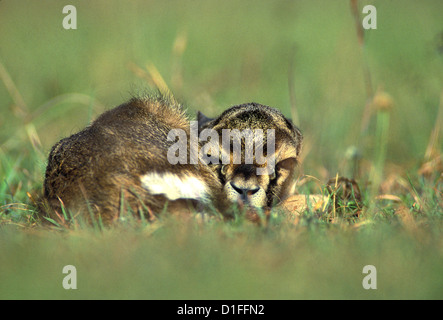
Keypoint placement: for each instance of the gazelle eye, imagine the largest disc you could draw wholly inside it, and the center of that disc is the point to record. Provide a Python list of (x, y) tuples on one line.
[(223, 169)]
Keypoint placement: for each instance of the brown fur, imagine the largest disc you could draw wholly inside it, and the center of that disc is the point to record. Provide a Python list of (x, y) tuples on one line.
[(99, 168), (97, 172)]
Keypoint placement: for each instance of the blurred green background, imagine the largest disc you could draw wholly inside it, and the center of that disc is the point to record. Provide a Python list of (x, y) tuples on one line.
[(212, 55)]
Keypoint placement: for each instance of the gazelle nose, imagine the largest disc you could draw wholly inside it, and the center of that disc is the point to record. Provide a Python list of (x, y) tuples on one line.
[(245, 192)]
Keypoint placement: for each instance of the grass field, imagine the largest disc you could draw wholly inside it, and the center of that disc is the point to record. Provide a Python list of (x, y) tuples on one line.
[(370, 106)]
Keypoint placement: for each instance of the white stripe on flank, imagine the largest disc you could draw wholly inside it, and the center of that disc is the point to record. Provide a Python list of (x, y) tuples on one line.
[(173, 187)]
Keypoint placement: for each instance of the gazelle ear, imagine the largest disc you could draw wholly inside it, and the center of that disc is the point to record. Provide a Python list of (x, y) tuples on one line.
[(202, 120), (288, 163)]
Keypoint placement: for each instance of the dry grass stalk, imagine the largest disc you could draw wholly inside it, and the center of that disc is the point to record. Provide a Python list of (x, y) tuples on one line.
[(300, 203), (22, 110), (178, 50), (291, 87), (367, 74)]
